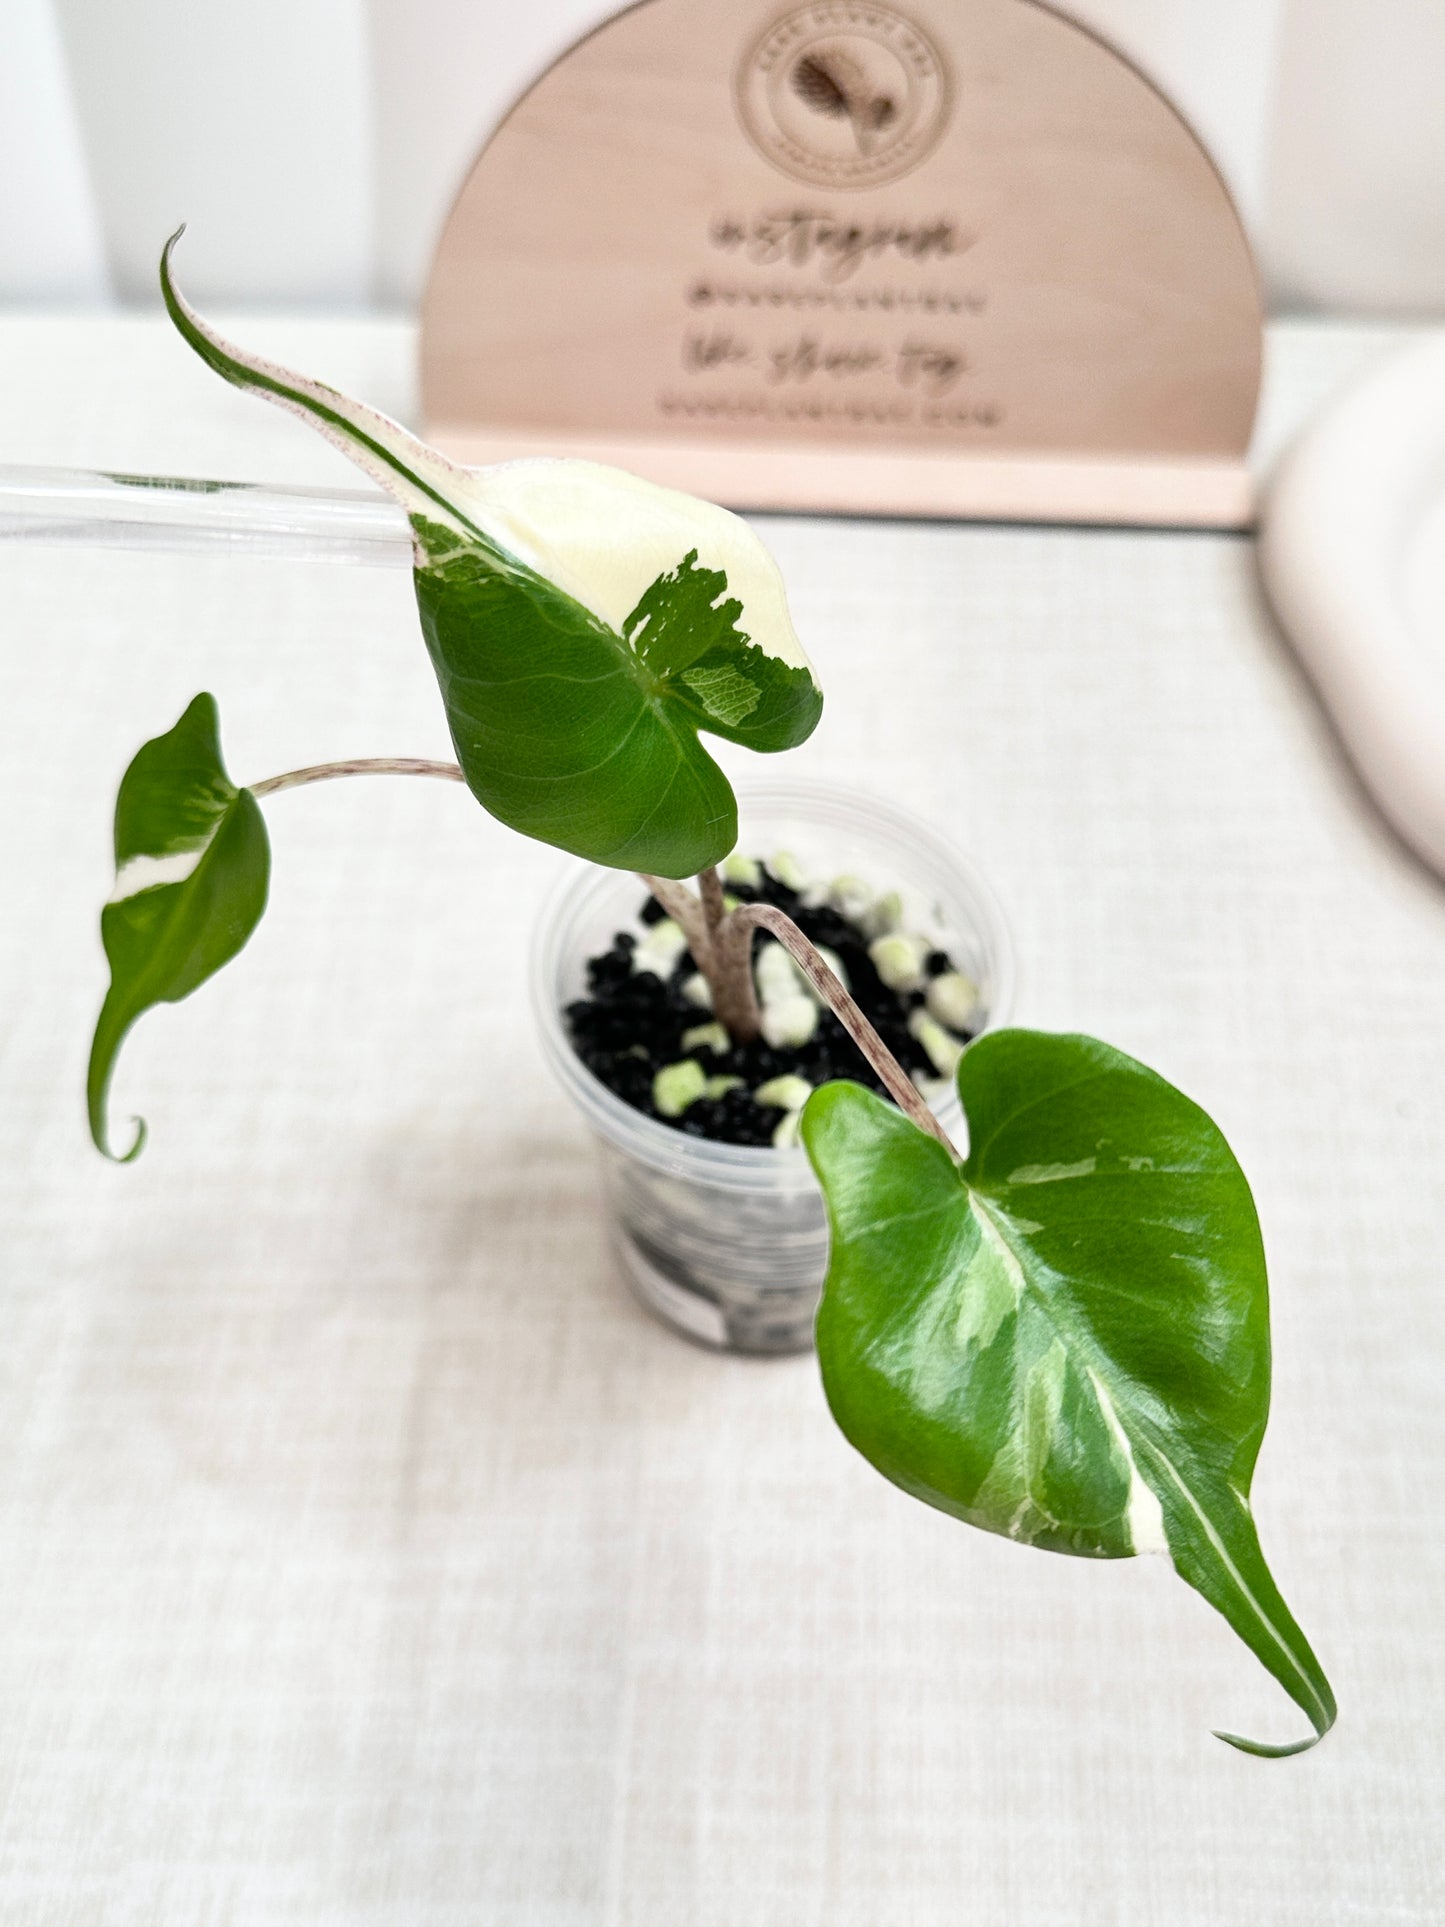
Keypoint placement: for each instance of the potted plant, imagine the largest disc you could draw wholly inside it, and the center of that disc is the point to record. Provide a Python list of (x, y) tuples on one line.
[(1045, 1310), (716, 1217)]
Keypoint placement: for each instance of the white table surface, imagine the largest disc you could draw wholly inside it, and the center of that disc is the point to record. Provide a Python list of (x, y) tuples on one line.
[(367, 1557)]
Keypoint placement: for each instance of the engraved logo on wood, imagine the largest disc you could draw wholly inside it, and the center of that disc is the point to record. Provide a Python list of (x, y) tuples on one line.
[(843, 94)]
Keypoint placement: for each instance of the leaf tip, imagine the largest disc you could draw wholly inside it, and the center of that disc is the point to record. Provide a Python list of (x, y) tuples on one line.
[(138, 1143), (1259, 1750), (166, 253), (203, 705), (102, 1062)]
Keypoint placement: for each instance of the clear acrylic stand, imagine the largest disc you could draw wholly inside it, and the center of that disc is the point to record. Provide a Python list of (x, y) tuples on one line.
[(174, 514)]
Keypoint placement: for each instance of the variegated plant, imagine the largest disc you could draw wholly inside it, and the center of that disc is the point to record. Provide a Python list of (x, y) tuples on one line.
[(1062, 1336), (584, 627)]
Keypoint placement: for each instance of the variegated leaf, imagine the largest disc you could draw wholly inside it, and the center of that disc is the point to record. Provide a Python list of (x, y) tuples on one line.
[(584, 626), (1066, 1339), (192, 865)]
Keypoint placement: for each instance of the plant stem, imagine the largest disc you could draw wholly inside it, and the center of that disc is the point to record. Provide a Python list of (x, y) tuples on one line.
[(686, 912), (714, 910), (359, 766), (721, 942), (704, 920), (734, 995), (737, 937)]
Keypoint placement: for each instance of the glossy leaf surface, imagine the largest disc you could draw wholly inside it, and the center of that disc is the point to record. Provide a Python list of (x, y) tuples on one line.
[(584, 626), (192, 866), (1066, 1339)]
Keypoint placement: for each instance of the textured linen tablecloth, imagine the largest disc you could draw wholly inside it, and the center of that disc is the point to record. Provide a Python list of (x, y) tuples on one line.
[(367, 1556)]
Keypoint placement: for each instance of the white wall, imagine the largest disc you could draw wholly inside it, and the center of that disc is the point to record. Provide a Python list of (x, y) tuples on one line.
[(250, 119), (51, 245), (1356, 209), (315, 144)]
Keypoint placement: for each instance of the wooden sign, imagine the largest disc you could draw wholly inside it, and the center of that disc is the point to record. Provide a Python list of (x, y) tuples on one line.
[(948, 257)]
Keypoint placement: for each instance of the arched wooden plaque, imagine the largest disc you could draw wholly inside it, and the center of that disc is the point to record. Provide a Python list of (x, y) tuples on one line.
[(944, 257)]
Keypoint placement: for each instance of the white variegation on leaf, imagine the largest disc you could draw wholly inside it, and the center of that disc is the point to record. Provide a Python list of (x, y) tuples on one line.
[(604, 537), (601, 535), (140, 873), (584, 625)]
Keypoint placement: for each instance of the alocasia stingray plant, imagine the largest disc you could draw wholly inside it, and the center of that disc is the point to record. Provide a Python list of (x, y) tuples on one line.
[(1062, 1336)]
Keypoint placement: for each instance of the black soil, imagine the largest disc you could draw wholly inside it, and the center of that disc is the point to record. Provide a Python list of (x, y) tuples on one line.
[(632, 1024)]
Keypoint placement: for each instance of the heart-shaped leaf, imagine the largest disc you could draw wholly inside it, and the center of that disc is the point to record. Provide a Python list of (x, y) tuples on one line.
[(1066, 1339), (584, 626), (192, 865)]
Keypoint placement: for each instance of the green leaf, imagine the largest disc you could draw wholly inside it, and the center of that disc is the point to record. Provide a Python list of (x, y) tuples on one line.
[(192, 865), (685, 632), (584, 626), (1066, 1339)]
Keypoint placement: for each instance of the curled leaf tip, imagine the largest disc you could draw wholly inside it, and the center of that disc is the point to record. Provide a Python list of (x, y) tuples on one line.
[(1260, 1750), (101, 1141)]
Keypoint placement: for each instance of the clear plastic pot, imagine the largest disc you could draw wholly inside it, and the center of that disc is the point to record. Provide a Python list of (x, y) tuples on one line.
[(728, 1243)]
